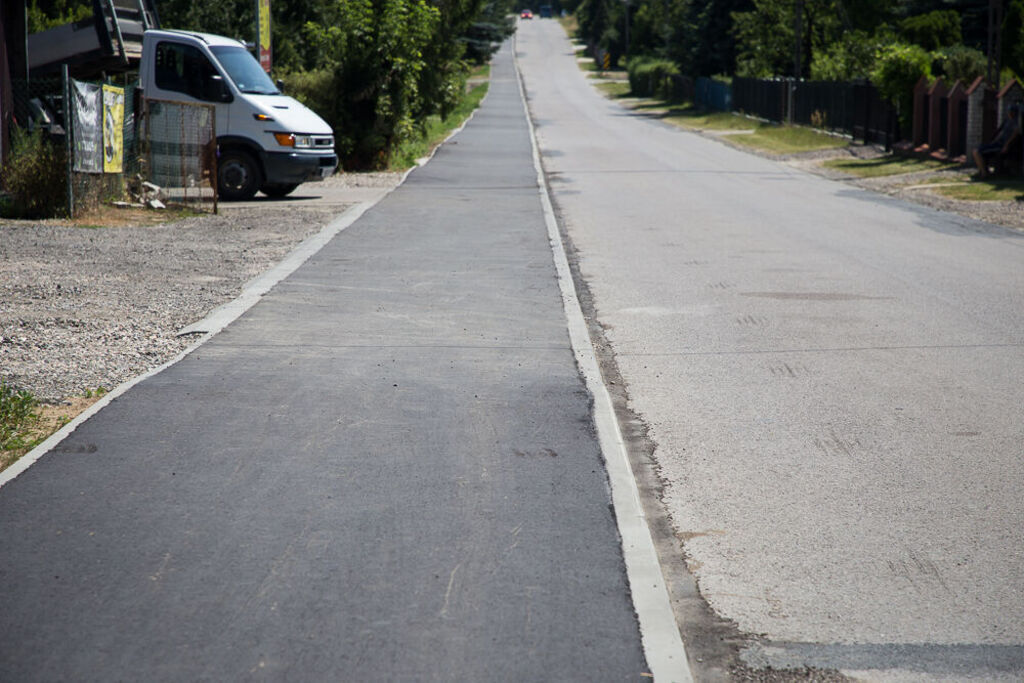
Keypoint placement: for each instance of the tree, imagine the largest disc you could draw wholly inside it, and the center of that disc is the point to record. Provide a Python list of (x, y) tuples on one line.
[(960, 63), (442, 83), (373, 55), (933, 30), (765, 36), (850, 58), (1013, 38), (897, 70), (713, 50), (44, 15)]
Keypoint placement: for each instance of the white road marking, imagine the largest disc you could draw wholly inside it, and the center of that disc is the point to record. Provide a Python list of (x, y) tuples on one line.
[(663, 646)]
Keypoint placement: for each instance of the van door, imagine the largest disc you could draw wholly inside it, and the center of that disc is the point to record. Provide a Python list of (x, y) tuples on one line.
[(182, 73)]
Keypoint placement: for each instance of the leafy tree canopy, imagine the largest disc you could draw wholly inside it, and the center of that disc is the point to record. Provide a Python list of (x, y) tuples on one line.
[(933, 30)]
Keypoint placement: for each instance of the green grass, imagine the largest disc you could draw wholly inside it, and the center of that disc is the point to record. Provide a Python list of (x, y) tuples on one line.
[(437, 129), (990, 190), (768, 137), (765, 136), (615, 89), (18, 420), (788, 139), (690, 117), (884, 166)]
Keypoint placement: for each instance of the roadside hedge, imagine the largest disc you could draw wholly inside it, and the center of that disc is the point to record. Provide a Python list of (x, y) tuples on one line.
[(651, 77)]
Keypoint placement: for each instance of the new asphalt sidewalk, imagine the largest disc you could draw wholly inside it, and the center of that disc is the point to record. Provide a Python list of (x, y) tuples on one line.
[(385, 470)]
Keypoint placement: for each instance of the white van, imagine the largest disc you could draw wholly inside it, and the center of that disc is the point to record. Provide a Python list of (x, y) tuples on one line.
[(266, 141)]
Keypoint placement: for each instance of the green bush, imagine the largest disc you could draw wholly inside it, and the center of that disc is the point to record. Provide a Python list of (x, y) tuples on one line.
[(1013, 38), (960, 63), (897, 70), (17, 416), (35, 176), (651, 77), (849, 58)]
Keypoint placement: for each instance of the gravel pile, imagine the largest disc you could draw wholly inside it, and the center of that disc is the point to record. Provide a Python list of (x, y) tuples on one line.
[(82, 308)]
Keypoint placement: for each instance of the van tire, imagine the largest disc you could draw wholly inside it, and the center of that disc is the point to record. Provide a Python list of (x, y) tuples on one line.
[(277, 191), (238, 176)]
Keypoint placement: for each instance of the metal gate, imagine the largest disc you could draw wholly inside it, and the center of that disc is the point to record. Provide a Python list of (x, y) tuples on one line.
[(179, 153)]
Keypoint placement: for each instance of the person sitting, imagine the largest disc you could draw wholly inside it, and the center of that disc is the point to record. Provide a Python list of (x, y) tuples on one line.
[(1001, 145)]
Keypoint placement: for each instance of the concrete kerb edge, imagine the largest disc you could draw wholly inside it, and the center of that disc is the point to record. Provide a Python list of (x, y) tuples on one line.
[(662, 643), (223, 315)]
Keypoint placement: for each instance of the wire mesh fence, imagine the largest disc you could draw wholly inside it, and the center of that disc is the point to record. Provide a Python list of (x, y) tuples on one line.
[(178, 152), (112, 146)]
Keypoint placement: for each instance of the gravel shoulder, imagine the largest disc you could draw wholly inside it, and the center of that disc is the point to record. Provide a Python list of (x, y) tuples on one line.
[(89, 307)]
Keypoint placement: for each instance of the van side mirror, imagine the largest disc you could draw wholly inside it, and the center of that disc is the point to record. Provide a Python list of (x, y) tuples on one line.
[(217, 89), (280, 85)]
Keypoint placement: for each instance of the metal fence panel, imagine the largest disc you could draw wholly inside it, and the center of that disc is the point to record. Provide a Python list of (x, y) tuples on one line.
[(713, 95), (855, 108), (824, 104), (179, 151), (764, 98)]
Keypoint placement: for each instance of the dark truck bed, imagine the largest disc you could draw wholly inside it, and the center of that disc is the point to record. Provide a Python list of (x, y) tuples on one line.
[(110, 41)]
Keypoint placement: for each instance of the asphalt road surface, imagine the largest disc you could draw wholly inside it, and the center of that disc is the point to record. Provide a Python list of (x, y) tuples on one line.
[(385, 470), (832, 382)]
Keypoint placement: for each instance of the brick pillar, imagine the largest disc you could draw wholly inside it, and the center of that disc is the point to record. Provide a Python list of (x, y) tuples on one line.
[(975, 113), (955, 139), (919, 132), (935, 95)]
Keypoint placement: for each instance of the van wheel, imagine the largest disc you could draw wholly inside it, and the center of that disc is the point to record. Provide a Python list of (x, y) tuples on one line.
[(238, 176), (276, 191)]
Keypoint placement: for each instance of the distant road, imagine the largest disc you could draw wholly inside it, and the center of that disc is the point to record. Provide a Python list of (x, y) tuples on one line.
[(833, 382)]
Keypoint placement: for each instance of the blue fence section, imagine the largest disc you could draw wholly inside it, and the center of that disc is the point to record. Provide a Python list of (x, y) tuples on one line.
[(713, 95)]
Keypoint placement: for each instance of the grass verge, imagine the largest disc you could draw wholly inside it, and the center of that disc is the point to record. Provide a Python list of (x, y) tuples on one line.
[(884, 166), (789, 139), (615, 90), (25, 422), (690, 117), (990, 190), (19, 416), (437, 129), (569, 24), (768, 137)]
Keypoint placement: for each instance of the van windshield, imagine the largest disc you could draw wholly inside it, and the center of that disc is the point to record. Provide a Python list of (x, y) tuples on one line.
[(244, 70)]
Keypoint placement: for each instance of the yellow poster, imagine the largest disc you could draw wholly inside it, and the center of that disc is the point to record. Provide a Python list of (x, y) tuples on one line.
[(113, 129), (264, 20)]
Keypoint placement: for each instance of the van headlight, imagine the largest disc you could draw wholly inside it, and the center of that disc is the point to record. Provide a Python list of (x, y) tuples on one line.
[(292, 140)]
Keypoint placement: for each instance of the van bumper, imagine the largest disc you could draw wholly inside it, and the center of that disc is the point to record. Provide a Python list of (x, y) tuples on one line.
[(289, 168)]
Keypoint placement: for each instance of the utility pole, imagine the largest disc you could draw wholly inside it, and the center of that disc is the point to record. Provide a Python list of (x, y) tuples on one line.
[(798, 40), (995, 42), (798, 33), (626, 3)]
